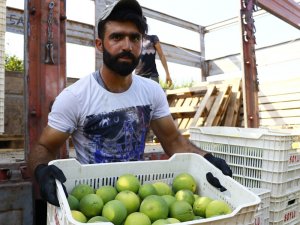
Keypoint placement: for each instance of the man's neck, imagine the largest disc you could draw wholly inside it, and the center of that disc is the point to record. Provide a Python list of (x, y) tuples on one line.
[(114, 82)]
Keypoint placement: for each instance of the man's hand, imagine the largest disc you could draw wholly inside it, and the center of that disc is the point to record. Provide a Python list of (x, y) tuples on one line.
[(169, 81), (45, 176), (219, 163)]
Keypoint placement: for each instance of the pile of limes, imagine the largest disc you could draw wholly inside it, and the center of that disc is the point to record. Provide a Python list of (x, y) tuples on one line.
[(129, 202)]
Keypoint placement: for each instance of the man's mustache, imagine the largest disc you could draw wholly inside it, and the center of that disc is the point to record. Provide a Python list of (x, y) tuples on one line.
[(126, 54)]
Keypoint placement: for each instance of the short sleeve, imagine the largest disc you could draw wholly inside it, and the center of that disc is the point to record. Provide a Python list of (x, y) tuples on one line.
[(155, 39), (64, 113), (161, 106)]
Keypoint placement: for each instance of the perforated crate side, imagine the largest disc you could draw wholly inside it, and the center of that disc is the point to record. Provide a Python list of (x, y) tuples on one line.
[(274, 169), (285, 210), (244, 149), (262, 214), (248, 137), (156, 170)]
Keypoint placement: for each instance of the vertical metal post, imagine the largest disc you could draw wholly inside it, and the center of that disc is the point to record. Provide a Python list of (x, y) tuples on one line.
[(45, 64), (99, 7), (249, 70), (45, 74), (2, 62), (203, 63)]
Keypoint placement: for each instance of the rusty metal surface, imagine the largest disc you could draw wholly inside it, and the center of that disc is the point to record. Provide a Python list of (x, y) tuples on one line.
[(288, 11), (249, 70), (44, 79)]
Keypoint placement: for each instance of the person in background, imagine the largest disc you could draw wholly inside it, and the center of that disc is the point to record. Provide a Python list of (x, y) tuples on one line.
[(109, 112), (147, 65)]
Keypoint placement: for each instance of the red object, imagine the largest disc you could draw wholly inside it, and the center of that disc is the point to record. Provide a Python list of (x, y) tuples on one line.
[(250, 81), (45, 20), (45, 23)]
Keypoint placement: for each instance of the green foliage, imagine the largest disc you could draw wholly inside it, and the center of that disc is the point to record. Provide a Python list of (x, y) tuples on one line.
[(13, 63), (174, 86)]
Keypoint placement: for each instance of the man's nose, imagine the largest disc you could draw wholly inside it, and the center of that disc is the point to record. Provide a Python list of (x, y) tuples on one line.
[(127, 45)]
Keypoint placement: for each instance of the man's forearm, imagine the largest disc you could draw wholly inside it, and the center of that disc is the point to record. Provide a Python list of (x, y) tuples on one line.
[(195, 149), (39, 155), (181, 145)]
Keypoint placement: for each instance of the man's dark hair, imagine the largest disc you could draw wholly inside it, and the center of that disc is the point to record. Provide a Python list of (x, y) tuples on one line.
[(122, 16)]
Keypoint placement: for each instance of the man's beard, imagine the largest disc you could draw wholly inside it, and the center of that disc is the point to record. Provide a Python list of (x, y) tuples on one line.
[(122, 68)]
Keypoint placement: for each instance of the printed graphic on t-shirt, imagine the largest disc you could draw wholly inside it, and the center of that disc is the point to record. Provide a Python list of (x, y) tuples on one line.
[(117, 136)]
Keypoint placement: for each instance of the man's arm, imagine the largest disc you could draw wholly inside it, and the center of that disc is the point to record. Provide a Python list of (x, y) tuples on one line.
[(163, 62), (47, 148), (173, 142), (171, 139)]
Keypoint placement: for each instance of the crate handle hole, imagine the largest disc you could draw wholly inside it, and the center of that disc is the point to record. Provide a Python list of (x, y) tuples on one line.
[(291, 202)]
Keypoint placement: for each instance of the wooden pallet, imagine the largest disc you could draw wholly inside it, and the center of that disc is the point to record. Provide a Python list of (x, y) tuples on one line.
[(207, 104), (11, 142)]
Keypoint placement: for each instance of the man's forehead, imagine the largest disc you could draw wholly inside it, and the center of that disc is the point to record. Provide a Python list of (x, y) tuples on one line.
[(121, 27)]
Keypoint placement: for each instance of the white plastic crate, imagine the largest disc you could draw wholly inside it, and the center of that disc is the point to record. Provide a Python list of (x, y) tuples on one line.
[(98, 175), (262, 215), (285, 210), (258, 157)]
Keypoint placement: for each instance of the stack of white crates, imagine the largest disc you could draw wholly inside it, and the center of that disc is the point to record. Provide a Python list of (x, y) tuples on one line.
[(260, 158), (262, 215)]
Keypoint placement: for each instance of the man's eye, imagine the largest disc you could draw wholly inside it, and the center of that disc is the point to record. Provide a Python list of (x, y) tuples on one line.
[(117, 37), (136, 38)]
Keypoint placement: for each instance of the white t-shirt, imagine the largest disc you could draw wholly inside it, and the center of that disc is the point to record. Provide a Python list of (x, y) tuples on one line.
[(106, 126)]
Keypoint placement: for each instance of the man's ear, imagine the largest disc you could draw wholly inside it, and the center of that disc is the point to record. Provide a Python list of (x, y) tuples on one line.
[(99, 44)]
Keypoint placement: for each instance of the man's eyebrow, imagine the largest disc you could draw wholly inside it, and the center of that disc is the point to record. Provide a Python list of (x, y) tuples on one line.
[(125, 33)]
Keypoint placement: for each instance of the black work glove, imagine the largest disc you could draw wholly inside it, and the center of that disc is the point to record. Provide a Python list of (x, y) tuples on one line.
[(45, 176), (219, 163), (215, 182)]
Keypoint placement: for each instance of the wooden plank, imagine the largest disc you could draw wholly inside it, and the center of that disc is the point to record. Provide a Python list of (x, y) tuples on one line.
[(178, 121), (195, 101), (11, 141), (183, 109), (280, 121), (210, 104), (208, 108), (280, 113), (182, 91), (279, 106), (179, 102), (200, 122), (280, 83), (187, 101), (210, 91), (279, 98), (172, 101), (188, 125), (278, 91), (6, 150), (214, 114), (6, 137), (236, 117), (223, 108), (233, 105), (184, 123)]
